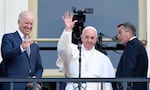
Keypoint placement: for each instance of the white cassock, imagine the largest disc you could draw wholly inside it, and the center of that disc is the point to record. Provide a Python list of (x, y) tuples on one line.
[(94, 64)]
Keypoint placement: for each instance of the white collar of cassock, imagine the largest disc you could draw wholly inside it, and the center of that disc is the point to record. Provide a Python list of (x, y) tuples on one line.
[(86, 52)]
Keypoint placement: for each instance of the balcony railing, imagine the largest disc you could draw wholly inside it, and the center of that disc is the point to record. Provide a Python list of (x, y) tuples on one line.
[(77, 80)]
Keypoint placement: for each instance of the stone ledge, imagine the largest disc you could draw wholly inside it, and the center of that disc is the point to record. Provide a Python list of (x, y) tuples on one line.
[(52, 73)]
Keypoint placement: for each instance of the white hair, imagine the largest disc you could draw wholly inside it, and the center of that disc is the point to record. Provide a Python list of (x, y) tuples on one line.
[(89, 27)]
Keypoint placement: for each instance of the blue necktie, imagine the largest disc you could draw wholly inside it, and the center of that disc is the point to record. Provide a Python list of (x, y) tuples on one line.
[(28, 51), (28, 48)]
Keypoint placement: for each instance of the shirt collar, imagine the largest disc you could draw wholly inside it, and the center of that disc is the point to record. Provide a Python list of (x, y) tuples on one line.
[(21, 34), (132, 38)]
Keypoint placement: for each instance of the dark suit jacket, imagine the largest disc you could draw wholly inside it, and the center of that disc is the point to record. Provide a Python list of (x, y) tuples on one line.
[(17, 63), (133, 63)]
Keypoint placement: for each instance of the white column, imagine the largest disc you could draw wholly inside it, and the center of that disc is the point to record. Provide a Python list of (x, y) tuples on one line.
[(2, 15), (9, 11), (12, 10), (2, 21), (142, 20)]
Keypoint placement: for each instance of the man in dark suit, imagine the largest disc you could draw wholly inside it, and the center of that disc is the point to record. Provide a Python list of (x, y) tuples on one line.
[(134, 60), (20, 55)]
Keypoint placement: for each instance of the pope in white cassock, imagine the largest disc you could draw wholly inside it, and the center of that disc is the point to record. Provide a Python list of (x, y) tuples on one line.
[(94, 64)]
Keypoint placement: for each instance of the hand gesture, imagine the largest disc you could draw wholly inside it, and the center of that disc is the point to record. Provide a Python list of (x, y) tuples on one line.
[(69, 23), (27, 42)]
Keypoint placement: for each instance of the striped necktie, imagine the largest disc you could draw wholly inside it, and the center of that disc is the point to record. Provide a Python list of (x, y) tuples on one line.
[(28, 51), (28, 48)]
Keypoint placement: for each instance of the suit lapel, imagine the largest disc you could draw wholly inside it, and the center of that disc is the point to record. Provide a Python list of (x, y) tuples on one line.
[(17, 37)]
